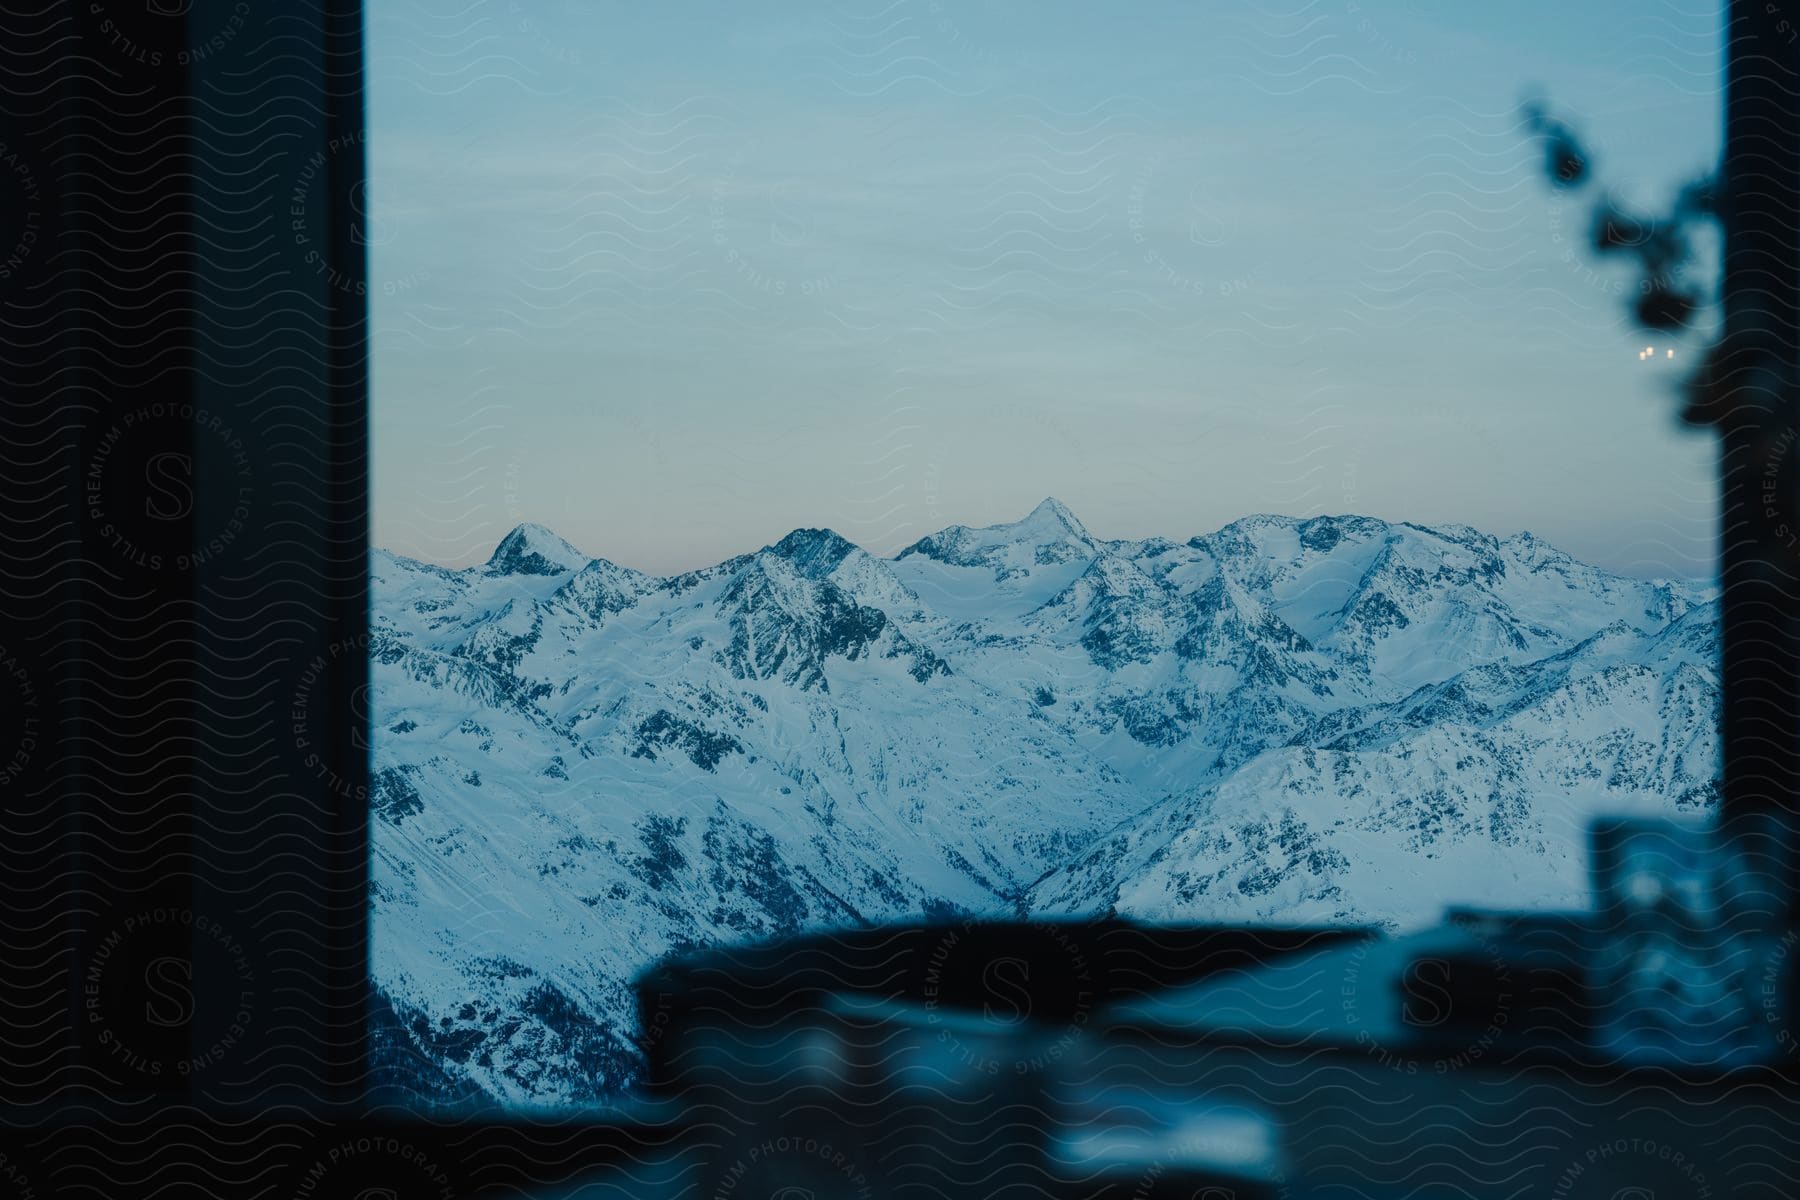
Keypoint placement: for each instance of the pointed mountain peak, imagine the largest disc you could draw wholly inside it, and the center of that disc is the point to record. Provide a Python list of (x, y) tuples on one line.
[(534, 550), (1047, 535), (1530, 545), (815, 553), (1053, 514)]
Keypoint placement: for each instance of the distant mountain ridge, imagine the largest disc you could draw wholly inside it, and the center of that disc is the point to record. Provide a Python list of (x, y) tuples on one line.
[(580, 767)]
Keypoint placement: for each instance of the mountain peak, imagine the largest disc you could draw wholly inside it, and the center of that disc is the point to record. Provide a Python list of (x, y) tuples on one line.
[(1052, 513), (532, 549), (1048, 534), (1531, 545), (815, 553)]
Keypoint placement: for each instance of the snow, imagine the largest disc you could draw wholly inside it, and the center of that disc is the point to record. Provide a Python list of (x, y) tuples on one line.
[(533, 550), (580, 768)]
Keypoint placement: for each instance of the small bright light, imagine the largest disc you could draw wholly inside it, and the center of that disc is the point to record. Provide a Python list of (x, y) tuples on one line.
[(1671, 354)]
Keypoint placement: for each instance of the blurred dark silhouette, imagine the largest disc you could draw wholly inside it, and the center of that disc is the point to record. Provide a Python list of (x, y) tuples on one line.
[(1668, 297), (1744, 388)]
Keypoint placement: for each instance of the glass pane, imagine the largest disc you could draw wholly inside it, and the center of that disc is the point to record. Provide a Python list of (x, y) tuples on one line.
[(854, 464)]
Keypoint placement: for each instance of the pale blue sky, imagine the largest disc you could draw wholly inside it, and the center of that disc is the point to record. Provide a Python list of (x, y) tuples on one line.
[(675, 278)]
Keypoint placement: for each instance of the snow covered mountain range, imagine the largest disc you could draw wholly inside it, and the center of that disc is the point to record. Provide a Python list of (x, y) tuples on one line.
[(579, 767)]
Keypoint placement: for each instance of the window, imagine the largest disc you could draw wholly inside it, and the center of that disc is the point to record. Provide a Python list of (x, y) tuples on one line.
[(846, 466)]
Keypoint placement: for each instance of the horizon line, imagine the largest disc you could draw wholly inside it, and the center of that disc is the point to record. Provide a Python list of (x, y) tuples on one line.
[(1056, 506)]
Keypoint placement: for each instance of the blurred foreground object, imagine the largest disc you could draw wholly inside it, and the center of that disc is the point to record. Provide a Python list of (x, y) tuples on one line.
[(1691, 956), (1123, 1143), (1746, 387)]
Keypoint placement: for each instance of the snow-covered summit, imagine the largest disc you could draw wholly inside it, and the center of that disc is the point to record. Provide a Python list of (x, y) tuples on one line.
[(815, 553), (1047, 535), (534, 550)]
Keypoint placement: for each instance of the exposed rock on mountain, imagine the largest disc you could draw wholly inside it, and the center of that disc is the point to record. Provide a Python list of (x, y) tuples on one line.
[(580, 767)]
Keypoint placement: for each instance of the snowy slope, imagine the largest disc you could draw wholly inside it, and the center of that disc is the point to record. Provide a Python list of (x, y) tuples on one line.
[(580, 768)]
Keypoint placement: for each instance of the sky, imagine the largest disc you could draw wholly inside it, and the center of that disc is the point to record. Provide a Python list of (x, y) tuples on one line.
[(673, 279)]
